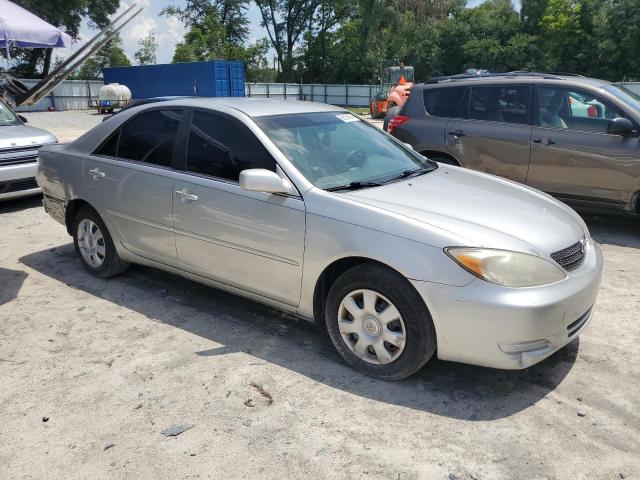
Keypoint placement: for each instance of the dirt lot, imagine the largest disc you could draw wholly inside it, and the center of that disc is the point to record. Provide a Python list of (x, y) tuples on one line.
[(92, 371)]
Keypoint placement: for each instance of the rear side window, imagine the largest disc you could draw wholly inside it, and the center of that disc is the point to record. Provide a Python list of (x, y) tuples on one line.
[(150, 137), (109, 148), (502, 103), (445, 102), (222, 148)]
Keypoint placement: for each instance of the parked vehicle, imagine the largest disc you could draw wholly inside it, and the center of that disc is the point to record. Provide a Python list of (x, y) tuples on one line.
[(19, 144), (573, 137), (307, 208), (395, 84)]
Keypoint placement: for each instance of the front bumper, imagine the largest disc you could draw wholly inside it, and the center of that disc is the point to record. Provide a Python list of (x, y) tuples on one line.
[(512, 328), (18, 180)]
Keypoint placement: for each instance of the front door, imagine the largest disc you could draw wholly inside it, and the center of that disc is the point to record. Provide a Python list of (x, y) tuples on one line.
[(572, 155), (249, 240), (130, 179), (495, 135)]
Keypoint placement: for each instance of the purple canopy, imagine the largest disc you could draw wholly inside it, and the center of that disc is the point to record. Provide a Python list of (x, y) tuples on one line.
[(22, 28)]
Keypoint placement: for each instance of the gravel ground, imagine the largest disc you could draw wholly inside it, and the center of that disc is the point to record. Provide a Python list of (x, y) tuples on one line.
[(93, 371)]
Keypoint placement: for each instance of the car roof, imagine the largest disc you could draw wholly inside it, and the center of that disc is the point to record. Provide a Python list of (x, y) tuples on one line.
[(253, 107), (515, 77)]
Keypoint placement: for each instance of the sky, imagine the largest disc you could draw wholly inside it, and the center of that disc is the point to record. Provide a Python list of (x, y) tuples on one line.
[(168, 30)]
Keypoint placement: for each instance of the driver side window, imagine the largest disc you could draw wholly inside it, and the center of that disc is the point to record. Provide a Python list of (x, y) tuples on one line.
[(220, 147), (575, 109)]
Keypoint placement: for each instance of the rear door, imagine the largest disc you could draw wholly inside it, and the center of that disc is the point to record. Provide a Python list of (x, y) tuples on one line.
[(573, 157), (249, 240), (495, 135), (129, 178)]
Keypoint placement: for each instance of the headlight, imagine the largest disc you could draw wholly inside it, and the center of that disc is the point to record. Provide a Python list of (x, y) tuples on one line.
[(509, 269)]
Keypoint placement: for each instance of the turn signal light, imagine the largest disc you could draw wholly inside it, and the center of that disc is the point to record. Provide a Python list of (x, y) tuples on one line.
[(395, 121)]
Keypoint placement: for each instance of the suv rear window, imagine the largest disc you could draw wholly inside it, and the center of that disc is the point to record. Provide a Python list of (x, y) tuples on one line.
[(445, 102), (501, 103)]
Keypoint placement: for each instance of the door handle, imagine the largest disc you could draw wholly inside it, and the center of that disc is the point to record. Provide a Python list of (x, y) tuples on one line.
[(545, 141), (95, 173), (186, 196), (457, 133)]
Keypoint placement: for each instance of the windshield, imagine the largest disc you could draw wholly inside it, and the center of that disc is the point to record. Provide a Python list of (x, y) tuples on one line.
[(628, 93), (393, 75), (7, 117), (334, 149)]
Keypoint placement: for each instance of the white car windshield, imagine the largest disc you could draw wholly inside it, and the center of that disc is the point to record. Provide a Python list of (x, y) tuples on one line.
[(7, 117), (336, 150)]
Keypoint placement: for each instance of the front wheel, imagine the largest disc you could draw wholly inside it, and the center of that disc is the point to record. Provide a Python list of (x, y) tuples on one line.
[(94, 245), (373, 109), (379, 323)]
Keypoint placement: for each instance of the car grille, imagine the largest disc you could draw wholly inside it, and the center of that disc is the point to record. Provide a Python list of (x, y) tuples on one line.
[(18, 185), (576, 326), (18, 155), (571, 257)]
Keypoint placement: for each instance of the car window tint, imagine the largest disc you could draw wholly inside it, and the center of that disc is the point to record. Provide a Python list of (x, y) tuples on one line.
[(150, 136), (504, 103), (222, 148), (575, 109), (108, 147), (445, 102)]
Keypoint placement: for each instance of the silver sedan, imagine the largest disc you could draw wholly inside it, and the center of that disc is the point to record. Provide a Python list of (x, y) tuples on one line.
[(307, 208)]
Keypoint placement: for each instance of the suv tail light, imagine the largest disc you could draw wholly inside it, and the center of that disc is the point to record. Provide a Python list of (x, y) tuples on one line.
[(395, 121)]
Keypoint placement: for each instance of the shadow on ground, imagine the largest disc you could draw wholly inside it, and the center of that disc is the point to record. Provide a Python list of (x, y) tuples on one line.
[(17, 204), (443, 388), (620, 230), (10, 284)]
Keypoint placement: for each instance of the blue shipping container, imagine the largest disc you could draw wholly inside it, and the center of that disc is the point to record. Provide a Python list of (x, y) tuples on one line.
[(215, 78)]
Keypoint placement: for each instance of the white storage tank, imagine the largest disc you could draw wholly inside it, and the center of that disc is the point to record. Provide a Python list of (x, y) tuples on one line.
[(115, 93)]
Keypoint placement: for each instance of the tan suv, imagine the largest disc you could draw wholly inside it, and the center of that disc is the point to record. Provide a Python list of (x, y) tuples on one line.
[(573, 137)]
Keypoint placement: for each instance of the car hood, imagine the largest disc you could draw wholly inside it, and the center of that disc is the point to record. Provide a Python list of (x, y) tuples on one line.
[(480, 210), (23, 136)]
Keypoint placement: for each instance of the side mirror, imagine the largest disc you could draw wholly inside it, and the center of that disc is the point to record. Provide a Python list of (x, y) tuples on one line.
[(620, 126), (23, 118), (262, 180)]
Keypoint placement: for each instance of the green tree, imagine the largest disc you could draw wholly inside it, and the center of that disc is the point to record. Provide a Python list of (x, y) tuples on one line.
[(229, 14), (146, 54), (111, 55)]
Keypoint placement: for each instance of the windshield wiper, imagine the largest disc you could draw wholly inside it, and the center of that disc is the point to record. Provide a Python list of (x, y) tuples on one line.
[(409, 173), (354, 186)]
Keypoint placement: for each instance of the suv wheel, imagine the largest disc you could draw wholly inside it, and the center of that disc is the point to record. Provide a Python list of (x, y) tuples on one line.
[(378, 323)]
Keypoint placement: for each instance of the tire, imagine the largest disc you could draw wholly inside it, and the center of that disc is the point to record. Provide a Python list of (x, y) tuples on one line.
[(445, 160), (108, 263), (392, 112), (414, 322), (375, 114)]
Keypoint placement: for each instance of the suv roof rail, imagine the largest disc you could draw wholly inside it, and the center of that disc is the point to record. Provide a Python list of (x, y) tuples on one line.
[(514, 74)]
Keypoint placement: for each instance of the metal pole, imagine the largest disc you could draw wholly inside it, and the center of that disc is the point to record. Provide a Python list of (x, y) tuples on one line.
[(267, 90), (325, 93), (285, 91), (312, 92), (300, 92), (346, 93), (89, 94), (249, 85)]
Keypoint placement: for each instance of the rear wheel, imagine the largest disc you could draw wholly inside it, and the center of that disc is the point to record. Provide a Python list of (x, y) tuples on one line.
[(94, 245), (378, 322)]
